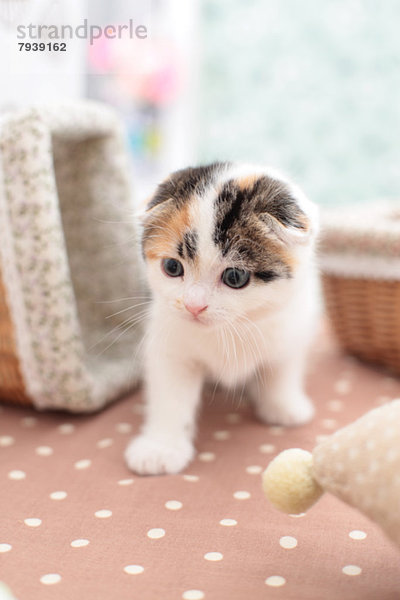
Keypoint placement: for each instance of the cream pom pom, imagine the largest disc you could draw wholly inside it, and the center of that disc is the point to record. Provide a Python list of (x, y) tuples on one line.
[(288, 481)]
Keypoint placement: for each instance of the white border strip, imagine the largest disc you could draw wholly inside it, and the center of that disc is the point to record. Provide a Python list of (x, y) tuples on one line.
[(364, 266)]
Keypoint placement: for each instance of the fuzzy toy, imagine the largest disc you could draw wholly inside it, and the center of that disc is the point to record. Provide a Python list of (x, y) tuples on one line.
[(5, 593), (360, 464), (289, 483)]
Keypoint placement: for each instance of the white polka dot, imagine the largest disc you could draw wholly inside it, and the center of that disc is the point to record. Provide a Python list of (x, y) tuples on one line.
[(233, 418), (373, 466), (335, 405), (133, 569), (267, 448), (50, 578), (241, 495), (66, 428), (123, 427), (353, 453), (276, 430), (360, 478), (156, 533), (228, 522), (288, 542), (5, 548), (6, 440), (357, 534), (29, 421), (17, 475), (125, 481), (342, 386), (329, 423), (44, 451), (82, 464), (221, 436), (213, 556), (351, 570), (390, 432), (298, 516), (321, 438), (33, 522), (254, 469), (59, 495), (106, 443), (207, 456), (370, 445), (103, 514), (191, 478), (193, 595), (369, 422), (275, 581), (173, 505), (79, 543), (392, 455)]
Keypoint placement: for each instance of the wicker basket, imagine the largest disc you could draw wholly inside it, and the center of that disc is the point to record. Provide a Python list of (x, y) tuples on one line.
[(11, 382), (360, 263), (365, 314)]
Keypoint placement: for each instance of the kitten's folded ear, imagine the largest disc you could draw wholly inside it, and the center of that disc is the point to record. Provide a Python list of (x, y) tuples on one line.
[(155, 201), (286, 211)]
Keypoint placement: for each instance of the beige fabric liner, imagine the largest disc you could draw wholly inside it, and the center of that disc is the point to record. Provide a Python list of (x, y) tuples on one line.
[(174, 564)]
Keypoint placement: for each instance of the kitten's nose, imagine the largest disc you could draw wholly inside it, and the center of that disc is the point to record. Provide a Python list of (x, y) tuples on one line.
[(195, 299), (195, 309)]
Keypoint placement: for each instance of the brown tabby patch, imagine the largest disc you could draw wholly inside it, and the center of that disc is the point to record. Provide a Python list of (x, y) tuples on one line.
[(167, 227), (246, 210), (243, 208)]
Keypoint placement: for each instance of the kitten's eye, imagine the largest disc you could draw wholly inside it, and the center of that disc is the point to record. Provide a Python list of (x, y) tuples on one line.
[(172, 267), (235, 278)]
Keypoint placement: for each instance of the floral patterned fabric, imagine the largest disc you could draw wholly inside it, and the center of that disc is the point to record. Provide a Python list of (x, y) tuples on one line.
[(68, 253)]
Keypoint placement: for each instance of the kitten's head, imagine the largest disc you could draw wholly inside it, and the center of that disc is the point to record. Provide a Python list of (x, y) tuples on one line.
[(226, 242)]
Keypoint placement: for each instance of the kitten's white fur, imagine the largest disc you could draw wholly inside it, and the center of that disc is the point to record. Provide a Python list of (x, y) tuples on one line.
[(264, 346)]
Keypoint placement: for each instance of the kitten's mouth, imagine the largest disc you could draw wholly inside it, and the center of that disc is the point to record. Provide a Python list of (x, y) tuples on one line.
[(199, 320)]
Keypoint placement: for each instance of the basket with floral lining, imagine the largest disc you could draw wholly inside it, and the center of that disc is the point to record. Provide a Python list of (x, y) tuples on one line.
[(67, 258)]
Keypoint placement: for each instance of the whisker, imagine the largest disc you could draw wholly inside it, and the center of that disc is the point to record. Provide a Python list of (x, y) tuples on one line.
[(125, 309), (122, 299), (115, 328), (132, 324)]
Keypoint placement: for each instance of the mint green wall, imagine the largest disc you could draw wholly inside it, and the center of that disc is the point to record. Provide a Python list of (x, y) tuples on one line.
[(311, 86)]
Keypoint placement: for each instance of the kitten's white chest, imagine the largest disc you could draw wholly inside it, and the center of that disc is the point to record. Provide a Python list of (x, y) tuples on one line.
[(231, 356)]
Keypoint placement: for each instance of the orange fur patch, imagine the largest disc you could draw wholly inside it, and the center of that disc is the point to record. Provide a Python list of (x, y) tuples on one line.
[(165, 229), (247, 182)]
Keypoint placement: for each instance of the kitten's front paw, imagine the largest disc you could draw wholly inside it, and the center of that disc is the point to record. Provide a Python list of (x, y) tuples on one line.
[(297, 410), (149, 455)]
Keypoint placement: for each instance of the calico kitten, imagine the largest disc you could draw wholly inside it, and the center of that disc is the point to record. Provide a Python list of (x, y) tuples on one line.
[(229, 251)]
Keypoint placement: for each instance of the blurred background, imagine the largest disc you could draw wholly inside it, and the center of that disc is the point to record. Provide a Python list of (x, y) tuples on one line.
[(310, 87)]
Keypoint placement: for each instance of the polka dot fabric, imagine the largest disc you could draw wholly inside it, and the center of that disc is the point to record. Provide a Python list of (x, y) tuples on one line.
[(75, 523)]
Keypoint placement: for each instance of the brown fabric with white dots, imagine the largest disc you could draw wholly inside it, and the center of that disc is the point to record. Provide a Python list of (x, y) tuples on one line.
[(75, 523), (361, 465)]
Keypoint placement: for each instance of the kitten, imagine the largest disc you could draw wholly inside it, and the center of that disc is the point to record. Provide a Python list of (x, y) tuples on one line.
[(229, 251)]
